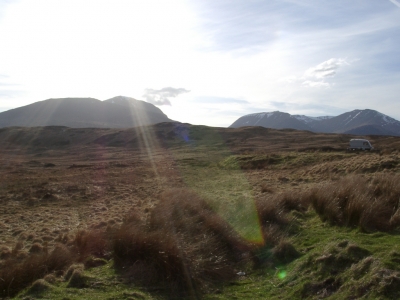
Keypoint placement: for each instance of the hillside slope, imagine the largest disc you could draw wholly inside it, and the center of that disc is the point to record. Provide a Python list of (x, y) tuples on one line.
[(276, 120), (117, 112)]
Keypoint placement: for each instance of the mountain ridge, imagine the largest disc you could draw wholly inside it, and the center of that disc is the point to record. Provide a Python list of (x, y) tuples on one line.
[(116, 112), (361, 122)]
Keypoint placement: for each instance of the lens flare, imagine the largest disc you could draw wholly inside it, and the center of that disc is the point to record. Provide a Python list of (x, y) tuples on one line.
[(282, 274), (228, 192)]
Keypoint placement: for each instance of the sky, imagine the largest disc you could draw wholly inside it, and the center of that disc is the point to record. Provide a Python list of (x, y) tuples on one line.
[(205, 62)]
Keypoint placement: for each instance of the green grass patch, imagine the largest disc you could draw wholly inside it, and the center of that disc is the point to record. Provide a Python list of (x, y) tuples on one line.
[(101, 283), (299, 253), (335, 263)]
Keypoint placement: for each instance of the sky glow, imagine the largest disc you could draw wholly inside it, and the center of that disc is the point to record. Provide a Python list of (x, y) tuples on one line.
[(205, 62)]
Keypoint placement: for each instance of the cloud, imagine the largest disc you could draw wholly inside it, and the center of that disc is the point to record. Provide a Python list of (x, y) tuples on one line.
[(326, 69), (9, 89), (316, 76), (288, 79), (395, 3), (160, 97), (220, 100), (309, 83)]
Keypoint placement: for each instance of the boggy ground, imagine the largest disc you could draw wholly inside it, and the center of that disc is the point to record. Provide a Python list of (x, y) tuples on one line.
[(45, 197), (56, 181)]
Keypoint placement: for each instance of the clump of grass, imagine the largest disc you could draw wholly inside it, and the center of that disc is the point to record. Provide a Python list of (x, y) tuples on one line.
[(20, 268), (274, 210), (271, 213), (16, 274), (39, 286), (93, 262), (278, 222), (285, 252), (184, 246), (370, 277), (357, 202), (50, 278), (36, 248), (5, 252), (322, 289), (266, 188), (91, 242), (72, 268), (77, 279)]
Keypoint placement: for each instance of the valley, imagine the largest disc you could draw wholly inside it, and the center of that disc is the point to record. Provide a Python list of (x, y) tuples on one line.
[(255, 186)]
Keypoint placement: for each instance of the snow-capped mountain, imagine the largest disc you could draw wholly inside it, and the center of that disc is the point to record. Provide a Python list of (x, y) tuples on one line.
[(307, 119), (360, 122), (276, 119)]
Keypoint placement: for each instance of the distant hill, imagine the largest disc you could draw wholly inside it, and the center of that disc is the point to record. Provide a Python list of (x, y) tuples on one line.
[(359, 122), (117, 112)]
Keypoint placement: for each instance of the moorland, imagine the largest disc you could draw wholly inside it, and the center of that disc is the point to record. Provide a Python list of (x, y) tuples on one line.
[(181, 211)]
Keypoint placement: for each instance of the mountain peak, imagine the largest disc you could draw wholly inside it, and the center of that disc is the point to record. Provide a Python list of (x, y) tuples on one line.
[(121, 98), (117, 112), (358, 121)]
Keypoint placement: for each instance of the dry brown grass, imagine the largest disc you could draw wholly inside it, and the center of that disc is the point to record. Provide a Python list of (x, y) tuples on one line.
[(184, 246), (43, 206), (278, 223), (19, 268), (17, 274), (357, 201), (91, 242), (274, 209)]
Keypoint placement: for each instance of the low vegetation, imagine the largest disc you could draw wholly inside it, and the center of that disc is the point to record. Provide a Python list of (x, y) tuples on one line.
[(367, 203), (200, 220)]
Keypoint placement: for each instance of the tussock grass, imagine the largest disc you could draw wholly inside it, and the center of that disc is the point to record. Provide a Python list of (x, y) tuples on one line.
[(184, 246), (20, 268), (17, 274), (356, 201), (274, 210), (91, 242), (276, 215)]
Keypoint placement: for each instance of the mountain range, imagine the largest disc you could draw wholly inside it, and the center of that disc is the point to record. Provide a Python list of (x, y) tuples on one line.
[(126, 112), (117, 112), (357, 122)]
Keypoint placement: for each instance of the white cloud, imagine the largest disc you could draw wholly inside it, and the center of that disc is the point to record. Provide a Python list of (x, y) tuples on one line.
[(309, 83), (288, 79), (160, 97), (317, 76), (325, 69), (227, 50)]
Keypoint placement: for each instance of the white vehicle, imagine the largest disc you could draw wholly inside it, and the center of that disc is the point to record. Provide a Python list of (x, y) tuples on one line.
[(360, 144)]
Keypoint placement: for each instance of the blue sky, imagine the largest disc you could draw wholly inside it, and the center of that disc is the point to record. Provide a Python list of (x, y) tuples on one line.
[(202, 61)]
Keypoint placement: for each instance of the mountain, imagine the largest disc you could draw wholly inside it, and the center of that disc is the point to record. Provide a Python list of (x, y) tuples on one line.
[(117, 112), (276, 120), (359, 122)]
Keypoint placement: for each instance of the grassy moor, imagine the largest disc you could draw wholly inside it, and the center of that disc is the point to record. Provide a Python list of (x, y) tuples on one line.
[(177, 211)]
